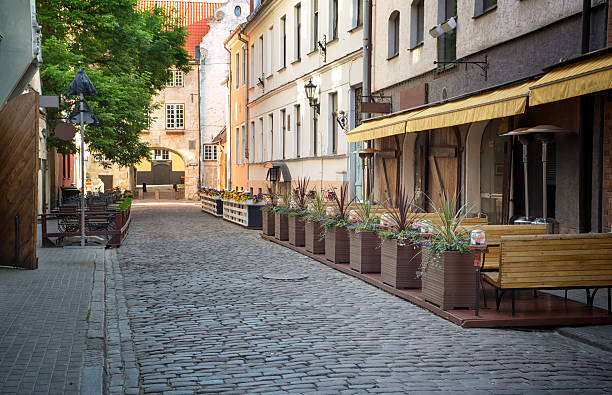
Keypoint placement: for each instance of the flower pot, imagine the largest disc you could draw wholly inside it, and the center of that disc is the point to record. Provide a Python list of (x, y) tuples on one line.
[(365, 252), (400, 265), (337, 245), (449, 280), (314, 242), (296, 231), (281, 226), (268, 222)]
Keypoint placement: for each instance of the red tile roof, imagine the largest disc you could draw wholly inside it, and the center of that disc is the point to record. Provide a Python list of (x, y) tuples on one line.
[(193, 15)]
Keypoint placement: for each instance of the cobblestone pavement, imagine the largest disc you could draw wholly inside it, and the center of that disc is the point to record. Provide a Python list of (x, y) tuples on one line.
[(43, 322), (204, 319)]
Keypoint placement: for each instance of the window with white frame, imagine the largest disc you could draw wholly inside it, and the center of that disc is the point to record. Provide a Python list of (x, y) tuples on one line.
[(237, 146), (160, 154), (210, 152), (237, 70), (176, 79), (297, 46), (357, 13), (333, 109), (283, 43), (333, 19), (394, 34), (252, 66), (417, 23), (270, 50), (315, 24), (175, 116)]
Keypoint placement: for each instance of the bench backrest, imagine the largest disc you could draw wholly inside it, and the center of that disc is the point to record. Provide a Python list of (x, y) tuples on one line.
[(493, 233), (548, 261)]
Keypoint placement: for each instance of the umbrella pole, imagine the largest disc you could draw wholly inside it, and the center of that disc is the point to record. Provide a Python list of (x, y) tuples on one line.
[(82, 172), (526, 181), (544, 192)]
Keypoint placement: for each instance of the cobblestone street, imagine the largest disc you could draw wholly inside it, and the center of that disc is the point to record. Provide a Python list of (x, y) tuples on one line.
[(204, 318)]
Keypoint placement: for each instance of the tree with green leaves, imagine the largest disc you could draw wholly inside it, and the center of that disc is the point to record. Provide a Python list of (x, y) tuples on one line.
[(128, 55)]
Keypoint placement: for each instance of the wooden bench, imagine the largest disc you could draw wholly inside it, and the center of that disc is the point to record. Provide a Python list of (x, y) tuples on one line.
[(494, 233), (553, 262)]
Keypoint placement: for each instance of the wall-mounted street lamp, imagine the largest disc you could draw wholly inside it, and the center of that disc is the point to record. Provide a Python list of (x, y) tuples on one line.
[(342, 119), (310, 89)]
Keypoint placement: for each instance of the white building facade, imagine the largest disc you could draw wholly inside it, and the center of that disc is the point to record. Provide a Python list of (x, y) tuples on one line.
[(292, 43)]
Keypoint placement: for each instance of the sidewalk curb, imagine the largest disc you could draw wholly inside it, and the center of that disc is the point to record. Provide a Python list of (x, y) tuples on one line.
[(578, 335), (92, 375)]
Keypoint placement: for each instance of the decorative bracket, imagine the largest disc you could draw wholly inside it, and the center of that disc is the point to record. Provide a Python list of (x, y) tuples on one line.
[(323, 48), (483, 65)]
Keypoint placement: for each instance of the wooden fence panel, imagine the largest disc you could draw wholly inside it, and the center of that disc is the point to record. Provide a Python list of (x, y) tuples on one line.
[(18, 178)]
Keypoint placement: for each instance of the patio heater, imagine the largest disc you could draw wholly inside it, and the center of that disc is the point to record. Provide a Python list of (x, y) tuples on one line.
[(81, 85), (524, 138)]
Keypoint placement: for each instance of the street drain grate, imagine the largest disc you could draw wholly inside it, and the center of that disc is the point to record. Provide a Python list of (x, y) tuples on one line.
[(284, 276)]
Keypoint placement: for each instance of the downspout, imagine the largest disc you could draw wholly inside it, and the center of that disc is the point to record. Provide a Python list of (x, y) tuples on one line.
[(228, 128), (367, 85), (246, 104), (585, 192), (200, 155)]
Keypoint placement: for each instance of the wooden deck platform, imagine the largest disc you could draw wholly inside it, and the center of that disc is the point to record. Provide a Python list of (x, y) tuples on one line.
[(544, 311)]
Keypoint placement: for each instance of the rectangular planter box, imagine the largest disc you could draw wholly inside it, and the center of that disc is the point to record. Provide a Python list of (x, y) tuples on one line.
[(281, 226), (365, 252), (315, 241), (296, 231), (337, 245), (211, 205), (267, 222), (241, 213), (400, 266), (449, 281)]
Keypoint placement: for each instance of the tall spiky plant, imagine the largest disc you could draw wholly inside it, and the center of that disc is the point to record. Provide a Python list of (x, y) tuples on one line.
[(301, 192), (365, 215), (342, 201), (401, 213)]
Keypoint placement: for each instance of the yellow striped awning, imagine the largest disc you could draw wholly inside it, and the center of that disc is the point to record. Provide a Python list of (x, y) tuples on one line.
[(587, 76), (503, 102), (379, 128)]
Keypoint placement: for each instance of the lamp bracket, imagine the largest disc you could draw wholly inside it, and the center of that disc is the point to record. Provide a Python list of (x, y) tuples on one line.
[(483, 65)]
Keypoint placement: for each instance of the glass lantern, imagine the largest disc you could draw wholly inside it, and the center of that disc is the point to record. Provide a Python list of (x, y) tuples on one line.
[(310, 207), (477, 237), (353, 216), (385, 221), (426, 227), (329, 212), (292, 204)]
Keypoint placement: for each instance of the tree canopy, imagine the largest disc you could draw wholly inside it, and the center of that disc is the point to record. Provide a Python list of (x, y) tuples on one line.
[(128, 55)]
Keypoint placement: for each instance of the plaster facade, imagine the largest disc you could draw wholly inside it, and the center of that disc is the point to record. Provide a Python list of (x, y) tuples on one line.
[(281, 121), (214, 69)]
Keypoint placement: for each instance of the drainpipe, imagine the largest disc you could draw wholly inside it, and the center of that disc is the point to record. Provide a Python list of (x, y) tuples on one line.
[(246, 102), (228, 128), (367, 88), (586, 135)]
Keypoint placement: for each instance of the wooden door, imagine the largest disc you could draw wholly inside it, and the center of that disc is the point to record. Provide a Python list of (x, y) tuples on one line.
[(161, 173), (18, 177)]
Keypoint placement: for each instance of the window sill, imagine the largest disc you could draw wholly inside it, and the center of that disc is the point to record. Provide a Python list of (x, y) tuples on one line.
[(298, 60), (175, 132), (356, 28), (484, 12), (281, 69), (416, 46), (335, 40), (314, 51), (269, 76), (393, 57)]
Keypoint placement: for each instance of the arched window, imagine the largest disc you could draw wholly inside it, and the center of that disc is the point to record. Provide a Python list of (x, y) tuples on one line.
[(394, 32), (417, 23)]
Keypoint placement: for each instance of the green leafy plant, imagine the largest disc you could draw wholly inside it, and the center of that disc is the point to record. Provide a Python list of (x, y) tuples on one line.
[(125, 204), (301, 192), (318, 208), (366, 221), (406, 223), (282, 203), (449, 234)]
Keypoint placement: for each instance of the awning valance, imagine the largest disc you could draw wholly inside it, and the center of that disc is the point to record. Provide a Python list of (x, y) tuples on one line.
[(499, 103), (379, 128), (502, 102), (588, 76)]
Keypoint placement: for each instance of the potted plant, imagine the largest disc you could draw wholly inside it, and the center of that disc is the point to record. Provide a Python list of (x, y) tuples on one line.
[(447, 262), (281, 218), (364, 241), (267, 215), (296, 215), (336, 234), (314, 230), (401, 245)]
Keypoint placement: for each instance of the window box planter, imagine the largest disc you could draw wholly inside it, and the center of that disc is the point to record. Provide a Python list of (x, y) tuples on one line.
[(296, 231), (267, 221), (365, 252), (241, 213), (448, 281), (281, 226), (212, 205), (314, 242), (337, 245), (400, 265)]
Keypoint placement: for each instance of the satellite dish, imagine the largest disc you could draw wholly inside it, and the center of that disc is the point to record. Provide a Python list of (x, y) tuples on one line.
[(65, 131)]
